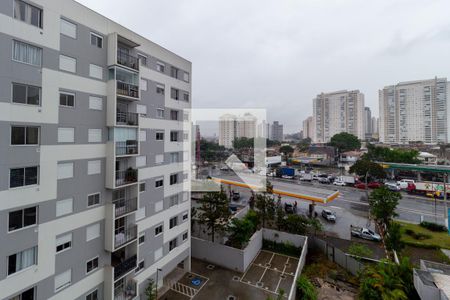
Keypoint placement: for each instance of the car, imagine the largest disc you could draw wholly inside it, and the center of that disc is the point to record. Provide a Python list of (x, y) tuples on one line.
[(288, 208), (329, 215), (404, 183), (374, 185), (364, 233), (339, 182), (392, 186), (360, 185), (324, 180), (236, 196)]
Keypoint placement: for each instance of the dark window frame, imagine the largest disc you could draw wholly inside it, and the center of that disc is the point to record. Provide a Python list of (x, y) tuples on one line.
[(27, 100), (26, 138), (24, 176), (23, 224)]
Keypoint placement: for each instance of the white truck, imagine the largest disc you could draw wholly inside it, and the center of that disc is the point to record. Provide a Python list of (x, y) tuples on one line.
[(306, 177), (364, 233), (348, 180)]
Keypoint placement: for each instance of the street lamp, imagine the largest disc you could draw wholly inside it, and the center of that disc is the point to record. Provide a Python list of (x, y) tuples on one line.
[(156, 292)]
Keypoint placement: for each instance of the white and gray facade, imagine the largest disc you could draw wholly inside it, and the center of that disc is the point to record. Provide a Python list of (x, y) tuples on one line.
[(94, 155), (276, 131), (414, 111)]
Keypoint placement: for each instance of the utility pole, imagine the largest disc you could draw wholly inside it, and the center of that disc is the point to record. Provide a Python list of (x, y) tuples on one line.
[(445, 200)]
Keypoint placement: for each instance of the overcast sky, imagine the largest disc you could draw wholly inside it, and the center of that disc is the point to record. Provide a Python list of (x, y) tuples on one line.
[(279, 54)]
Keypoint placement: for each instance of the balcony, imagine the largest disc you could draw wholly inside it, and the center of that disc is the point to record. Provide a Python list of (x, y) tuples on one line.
[(128, 90), (126, 290), (124, 235), (127, 60), (126, 177), (125, 267), (124, 206), (127, 118), (129, 147)]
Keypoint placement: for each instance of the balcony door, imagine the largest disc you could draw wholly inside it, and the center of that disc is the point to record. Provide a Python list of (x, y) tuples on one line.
[(122, 109)]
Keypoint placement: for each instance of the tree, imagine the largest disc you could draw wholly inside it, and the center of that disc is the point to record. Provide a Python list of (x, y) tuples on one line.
[(243, 142), (383, 203), (241, 231), (304, 144), (360, 250), (214, 212), (296, 224), (287, 150), (315, 225), (365, 166), (383, 154), (345, 142), (150, 290), (394, 237), (210, 151), (306, 290), (265, 204)]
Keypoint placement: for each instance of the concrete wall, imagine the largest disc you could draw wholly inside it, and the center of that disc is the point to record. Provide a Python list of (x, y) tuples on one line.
[(225, 256), (283, 237)]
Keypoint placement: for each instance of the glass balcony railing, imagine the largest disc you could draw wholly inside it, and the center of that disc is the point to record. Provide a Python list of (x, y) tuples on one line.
[(126, 291), (127, 60), (124, 235), (126, 89), (124, 206), (125, 267), (127, 118), (126, 177), (129, 147)]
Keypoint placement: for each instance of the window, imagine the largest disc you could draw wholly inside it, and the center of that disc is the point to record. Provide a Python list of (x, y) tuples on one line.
[(24, 135), (159, 206), (27, 295), (28, 13), (173, 200), (67, 99), (140, 213), (185, 216), (142, 135), (68, 28), (94, 167), (66, 135), (63, 242), (141, 109), (158, 229), (160, 67), (63, 280), (141, 161), (159, 182), (26, 94), (175, 94), (143, 84), (142, 59), (22, 260), (160, 89), (93, 199), (95, 71), (186, 97), (160, 113), (185, 236), (174, 72), (64, 207), (94, 135), (140, 266), (185, 136), (174, 136), (65, 170), (91, 265), (27, 53), (186, 76), (160, 136), (95, 103), (22, 218), (174, 115), (92, 232), (23, 176), (158, 254), (67, 63), (174, 157), (141, 187), (96, 40), (92, 296), (173, 179), (142, 239), (173, 222), (159, 158), (172, 244)]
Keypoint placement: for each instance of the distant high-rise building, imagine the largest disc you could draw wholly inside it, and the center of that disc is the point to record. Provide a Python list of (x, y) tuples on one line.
[(232, 127), (276, 131), (414, 111), (308, 128), (375, 125), (368, 123), (336, 112)]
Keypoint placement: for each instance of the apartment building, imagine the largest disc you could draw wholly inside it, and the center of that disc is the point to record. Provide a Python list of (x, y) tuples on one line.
[(232, 127), (414, 111), (276, 131), (94, 192), (367, 123), (336, 112), (308, 128)]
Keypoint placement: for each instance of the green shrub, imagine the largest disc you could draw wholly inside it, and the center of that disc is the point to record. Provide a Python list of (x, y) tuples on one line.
[(417, 235), (433, 226), (283, 248), (420, 245), (306, 290)]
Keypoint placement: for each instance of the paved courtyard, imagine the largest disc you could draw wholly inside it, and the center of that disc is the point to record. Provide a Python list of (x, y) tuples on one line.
[(267, 274)]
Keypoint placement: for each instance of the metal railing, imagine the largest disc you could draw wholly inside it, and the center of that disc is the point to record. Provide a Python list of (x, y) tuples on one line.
[(127, 60), (125, 292), (126, 89), (124, 206), (125, 267), (126, 177), (124, 235), (128, 147), (127, 118)]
